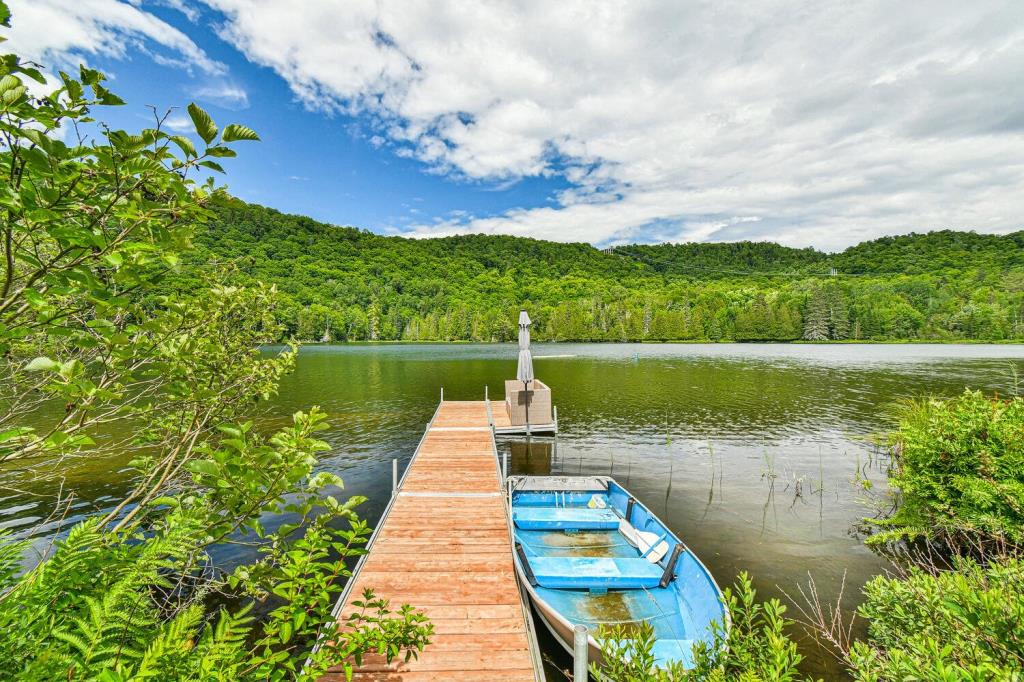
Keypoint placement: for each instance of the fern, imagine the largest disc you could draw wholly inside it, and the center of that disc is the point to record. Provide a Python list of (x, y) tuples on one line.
[(222, 650), (172, 644), (112, 630)]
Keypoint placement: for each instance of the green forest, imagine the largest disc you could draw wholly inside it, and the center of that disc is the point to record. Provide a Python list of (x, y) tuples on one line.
[(346, 284)]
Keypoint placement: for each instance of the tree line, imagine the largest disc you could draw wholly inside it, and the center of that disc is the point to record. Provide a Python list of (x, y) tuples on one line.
[(345, 284)]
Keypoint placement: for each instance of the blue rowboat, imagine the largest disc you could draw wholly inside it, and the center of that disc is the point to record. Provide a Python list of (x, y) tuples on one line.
[(587, 552)]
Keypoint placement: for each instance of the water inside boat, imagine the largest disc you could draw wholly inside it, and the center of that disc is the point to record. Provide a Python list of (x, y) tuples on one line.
[(598, 557)]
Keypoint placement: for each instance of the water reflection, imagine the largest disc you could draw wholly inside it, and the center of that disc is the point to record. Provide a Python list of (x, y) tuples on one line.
[(533, 457)]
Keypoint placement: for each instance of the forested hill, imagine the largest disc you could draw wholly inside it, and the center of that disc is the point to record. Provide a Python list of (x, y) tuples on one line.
[(341, 283), (934, 252)]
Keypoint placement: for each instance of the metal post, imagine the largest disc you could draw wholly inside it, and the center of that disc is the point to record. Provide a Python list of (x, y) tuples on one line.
[(486, 397), (394, 477), (555, 408), (442, 394), (504, 466), (581, 638)]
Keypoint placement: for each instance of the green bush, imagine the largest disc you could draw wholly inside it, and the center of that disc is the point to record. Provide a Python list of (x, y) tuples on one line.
[(963, 624), (958, 478), (959, 473)]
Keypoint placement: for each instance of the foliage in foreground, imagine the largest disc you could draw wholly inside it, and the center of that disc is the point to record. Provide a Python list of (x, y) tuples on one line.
[(94, 361), (959, 472), (962, 624), (754, 649), (132, 604)]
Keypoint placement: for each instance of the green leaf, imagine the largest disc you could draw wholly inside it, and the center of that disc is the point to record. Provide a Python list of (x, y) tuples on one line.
[(204, 125), (212, 165), (14, 94), (106, 97), (73, 87), (34, 298), (235, 131), (89, 76), (17, 432), (42, 364), (221, 151), (141, 164), (204, 466), (184, 144), (9, 81)]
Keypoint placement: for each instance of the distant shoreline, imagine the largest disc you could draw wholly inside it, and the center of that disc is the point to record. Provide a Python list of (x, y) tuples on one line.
[(692, 342)]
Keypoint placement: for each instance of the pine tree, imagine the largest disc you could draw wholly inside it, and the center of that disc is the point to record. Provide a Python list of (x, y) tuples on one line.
[(816, 316), (838, 315)]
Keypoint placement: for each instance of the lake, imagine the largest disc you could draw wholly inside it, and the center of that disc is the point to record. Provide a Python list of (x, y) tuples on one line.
[(760, 457)]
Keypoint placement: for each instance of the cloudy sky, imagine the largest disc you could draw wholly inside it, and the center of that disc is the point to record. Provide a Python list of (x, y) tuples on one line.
[(807, 122)]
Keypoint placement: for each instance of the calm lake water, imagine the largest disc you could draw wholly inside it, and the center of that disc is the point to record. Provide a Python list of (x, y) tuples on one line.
[(756, 455)]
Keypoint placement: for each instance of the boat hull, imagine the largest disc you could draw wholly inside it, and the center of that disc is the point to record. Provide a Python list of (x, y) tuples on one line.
[(681, 611)]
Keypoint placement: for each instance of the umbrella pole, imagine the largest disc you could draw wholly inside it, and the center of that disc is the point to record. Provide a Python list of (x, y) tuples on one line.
[(526, 391)]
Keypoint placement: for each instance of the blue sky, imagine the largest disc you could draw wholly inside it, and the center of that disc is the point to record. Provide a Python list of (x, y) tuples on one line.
[(309, 162), (577, 121)]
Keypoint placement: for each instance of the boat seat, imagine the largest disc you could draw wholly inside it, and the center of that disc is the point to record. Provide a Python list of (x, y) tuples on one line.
[(594, 573), (564, 518)]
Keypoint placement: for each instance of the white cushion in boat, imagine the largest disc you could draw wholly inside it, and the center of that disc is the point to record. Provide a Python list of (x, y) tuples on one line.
[(643, 540), (590, 573), (564, 518)]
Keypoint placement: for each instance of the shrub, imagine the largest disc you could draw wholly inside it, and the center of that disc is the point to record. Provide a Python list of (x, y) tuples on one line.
[(959, 473), (963, 624)]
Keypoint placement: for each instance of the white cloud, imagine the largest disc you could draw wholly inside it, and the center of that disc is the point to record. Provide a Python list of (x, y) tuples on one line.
[(190, 12), (224, 94), (804, 121), (178, 122), (57, 33)]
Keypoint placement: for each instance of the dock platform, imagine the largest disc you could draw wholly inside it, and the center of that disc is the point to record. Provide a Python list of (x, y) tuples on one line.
[(444, 546)]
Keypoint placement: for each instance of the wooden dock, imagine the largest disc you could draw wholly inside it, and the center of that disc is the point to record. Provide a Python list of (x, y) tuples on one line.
[(444, 546)]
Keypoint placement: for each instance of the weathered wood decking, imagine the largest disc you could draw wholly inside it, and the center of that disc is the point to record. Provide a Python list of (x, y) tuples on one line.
[(444, 547)]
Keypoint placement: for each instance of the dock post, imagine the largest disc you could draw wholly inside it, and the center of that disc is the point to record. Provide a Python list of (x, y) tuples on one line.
[(504, 466), (442, 394), (555, 408), (580, 645), (394, 477), (486, 397)]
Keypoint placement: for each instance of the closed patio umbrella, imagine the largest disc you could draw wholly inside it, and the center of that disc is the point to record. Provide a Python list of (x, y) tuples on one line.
[(524, 371)]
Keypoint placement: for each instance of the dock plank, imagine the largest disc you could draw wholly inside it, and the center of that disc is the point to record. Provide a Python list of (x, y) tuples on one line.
[(444, 548)]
